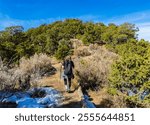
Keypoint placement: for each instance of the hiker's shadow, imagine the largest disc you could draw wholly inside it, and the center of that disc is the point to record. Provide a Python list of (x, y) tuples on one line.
[(72, 91), (85, 93), (76, 88)]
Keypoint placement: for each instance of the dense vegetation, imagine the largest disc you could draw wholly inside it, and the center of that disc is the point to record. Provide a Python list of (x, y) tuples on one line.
[(54, 39), (130, 73)]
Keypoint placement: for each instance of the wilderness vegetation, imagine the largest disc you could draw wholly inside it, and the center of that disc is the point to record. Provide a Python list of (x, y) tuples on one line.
[(113, 57)]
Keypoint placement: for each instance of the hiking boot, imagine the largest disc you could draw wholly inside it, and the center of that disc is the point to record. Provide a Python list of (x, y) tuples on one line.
[(69, 91), (66, 88)]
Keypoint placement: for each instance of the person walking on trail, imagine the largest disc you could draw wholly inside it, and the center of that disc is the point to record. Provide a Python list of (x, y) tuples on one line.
[(67, 73)]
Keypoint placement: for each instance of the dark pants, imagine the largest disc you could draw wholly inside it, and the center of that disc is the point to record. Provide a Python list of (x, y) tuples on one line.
[(69, 82)]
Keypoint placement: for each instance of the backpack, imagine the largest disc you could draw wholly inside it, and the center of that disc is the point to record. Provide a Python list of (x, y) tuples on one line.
[(68, 68)]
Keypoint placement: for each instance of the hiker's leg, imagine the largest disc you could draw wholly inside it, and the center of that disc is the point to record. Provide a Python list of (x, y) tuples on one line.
[(65, 83), (69, 82)]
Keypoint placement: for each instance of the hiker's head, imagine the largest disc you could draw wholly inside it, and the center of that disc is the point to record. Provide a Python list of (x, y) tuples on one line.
[(68, 58)]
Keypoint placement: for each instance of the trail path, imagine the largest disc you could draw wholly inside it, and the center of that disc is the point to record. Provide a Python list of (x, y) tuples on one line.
[(70, 100)]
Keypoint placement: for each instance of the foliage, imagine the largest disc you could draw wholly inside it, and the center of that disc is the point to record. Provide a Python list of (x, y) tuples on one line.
[(92, 33), (132, 71), (119, 34), (64, 49), (15, 43)]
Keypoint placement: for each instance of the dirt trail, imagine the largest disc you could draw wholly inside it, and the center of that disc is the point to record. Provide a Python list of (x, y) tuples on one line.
[(70, 100)]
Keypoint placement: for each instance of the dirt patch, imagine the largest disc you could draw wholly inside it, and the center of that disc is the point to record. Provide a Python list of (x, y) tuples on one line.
[(70, 100)]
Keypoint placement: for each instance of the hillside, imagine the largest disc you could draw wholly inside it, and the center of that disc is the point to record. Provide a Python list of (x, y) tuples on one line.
[(111, 64)]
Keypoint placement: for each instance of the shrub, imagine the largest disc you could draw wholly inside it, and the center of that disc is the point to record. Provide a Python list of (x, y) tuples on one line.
[(34, 67), (104, 99), (93, 71), (7, 79), (76, 43), (130, 74), (82, 52), (27, 73), (112, 91), (93, 47), (64, 49)]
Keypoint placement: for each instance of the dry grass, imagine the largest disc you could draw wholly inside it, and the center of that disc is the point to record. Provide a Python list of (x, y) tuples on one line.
[(76, 43), (82, 52), (7, 79), (102, 99), (28, 71), (93, 70), (92, 73), (35, 67)]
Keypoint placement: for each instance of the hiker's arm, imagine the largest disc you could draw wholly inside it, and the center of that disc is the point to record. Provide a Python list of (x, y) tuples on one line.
[(63, 65)]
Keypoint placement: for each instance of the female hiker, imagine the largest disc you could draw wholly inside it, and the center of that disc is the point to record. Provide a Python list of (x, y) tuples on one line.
[(67, 73)]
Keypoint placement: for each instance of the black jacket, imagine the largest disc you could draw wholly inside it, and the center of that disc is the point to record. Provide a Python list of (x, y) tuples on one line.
[(68, 67)]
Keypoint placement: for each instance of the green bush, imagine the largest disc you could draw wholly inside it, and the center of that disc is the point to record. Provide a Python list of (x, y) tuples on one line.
[(15, 43), (132, 70), (64, 49), (112, 91)]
